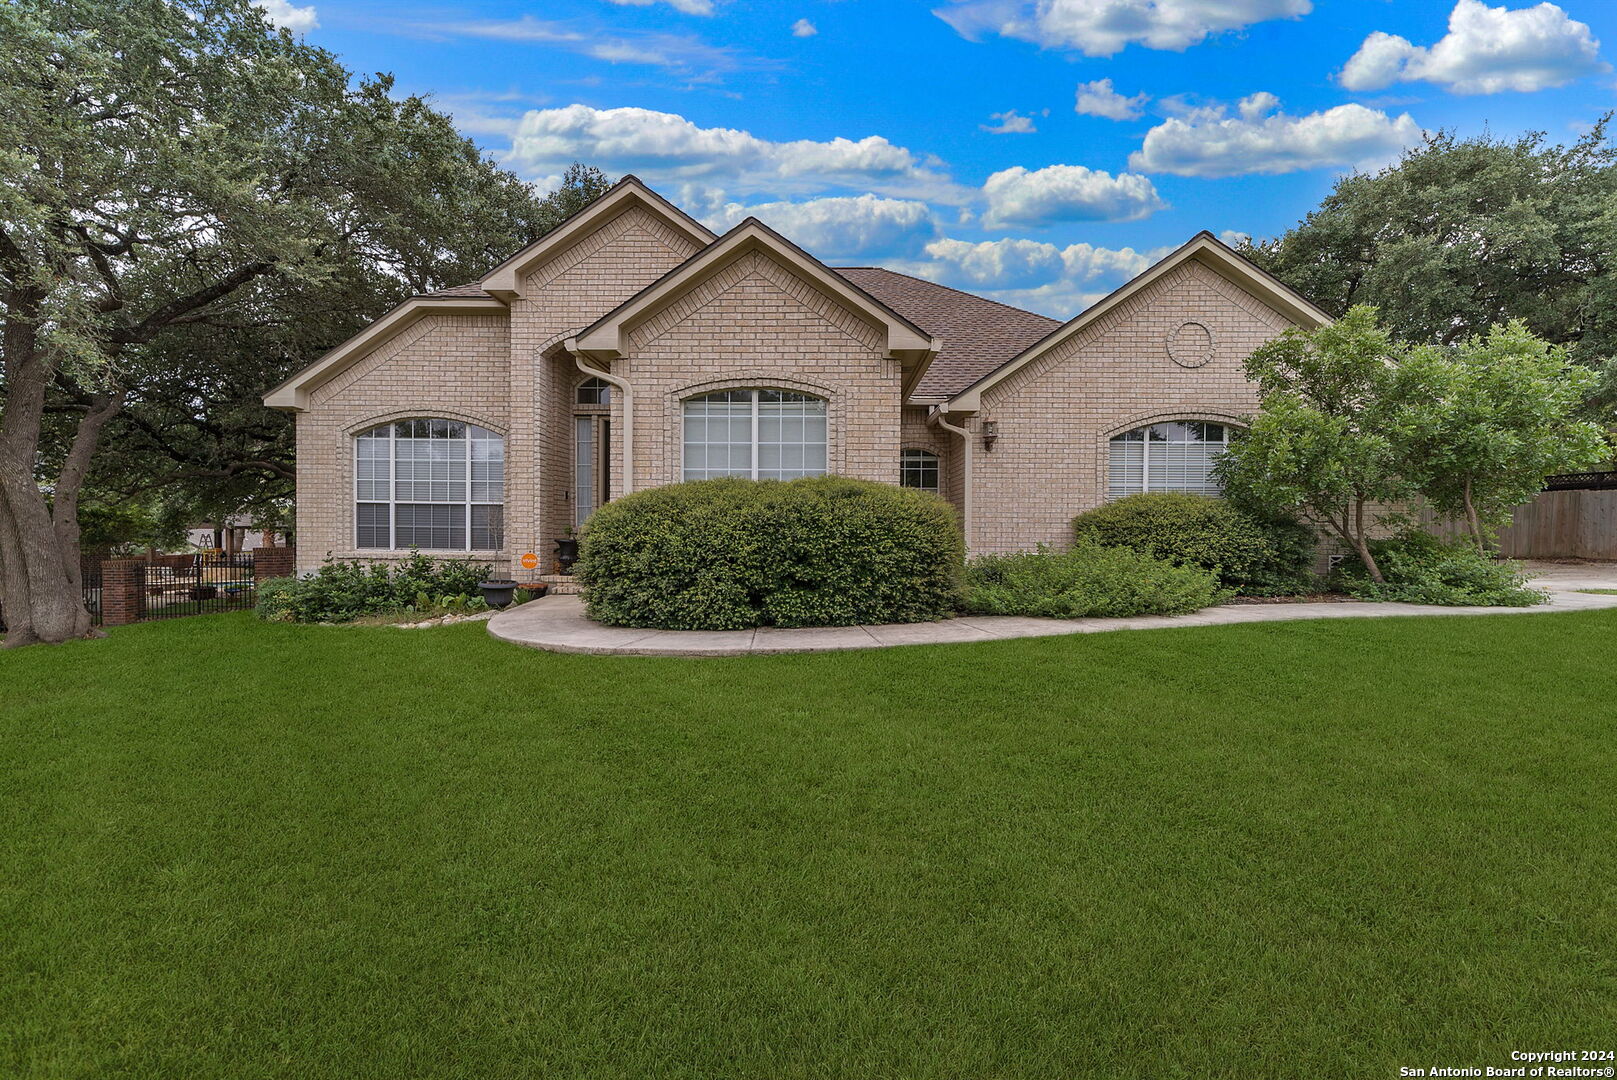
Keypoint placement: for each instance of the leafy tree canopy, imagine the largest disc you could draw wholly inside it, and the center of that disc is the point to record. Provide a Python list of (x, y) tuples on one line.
[(1465, 234)]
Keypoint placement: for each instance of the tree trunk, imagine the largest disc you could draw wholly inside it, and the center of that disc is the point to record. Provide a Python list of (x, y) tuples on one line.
[(44, 602), (1362, 544), (1473, 522)]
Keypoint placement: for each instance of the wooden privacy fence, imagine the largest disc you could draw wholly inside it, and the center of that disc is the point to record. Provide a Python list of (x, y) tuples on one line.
[(1574, 517), (1565, 523)]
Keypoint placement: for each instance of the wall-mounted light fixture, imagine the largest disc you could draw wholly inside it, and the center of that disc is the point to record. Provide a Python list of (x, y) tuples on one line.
[(990, 433)]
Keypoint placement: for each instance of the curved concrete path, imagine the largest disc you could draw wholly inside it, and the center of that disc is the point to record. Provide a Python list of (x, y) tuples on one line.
[(557, 623)]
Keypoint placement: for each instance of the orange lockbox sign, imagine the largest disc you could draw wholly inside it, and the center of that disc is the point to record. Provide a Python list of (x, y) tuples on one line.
[(530, 561)]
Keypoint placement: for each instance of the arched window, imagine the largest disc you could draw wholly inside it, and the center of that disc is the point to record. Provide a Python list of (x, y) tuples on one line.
[(918, 469), (762, 434), (437, 484), (1174, 456), (593, 392)]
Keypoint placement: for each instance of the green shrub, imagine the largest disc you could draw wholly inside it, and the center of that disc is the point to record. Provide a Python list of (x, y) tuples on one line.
[(1089, 580), (1250, 555), (1422, 569), (344, 589), (729, 554)]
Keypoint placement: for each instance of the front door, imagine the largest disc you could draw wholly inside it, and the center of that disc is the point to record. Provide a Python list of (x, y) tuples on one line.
[(592, 450)]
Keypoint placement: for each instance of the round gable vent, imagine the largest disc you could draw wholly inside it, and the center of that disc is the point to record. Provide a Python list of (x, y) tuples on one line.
[(1190, 345)]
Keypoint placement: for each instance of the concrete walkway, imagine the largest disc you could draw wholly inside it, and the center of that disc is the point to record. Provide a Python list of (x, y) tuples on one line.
[(557, 623)]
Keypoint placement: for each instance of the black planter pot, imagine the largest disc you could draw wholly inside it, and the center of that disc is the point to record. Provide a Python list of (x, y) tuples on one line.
[(567, 553), (498, 592)]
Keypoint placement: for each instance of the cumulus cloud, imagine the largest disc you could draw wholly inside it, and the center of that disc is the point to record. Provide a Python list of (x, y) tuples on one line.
[(1207, 141), (1030, 274), (1486, 50), (1009, 122), (667, 149), (296, 19), (689, 7), (841, 228), (1017, 196), (1099, 99), (1098, 28), (804, 28)]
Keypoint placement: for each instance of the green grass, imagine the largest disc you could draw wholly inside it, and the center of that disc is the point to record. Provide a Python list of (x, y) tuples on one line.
[(1599, 592), (1308, 849)]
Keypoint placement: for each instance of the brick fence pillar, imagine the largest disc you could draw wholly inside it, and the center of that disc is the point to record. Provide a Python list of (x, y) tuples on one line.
[(123, 591), (274, 562)]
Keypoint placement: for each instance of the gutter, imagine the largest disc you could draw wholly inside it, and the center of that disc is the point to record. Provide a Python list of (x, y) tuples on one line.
[(936, 417), (571, 345)]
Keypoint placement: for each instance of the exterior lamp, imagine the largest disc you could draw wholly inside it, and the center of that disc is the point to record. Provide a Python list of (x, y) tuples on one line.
[(990, 433)]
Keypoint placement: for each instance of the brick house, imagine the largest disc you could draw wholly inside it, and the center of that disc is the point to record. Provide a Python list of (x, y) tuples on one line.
[(631, 347)]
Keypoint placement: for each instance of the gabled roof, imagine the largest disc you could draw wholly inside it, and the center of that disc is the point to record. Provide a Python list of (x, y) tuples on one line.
[(977, 334), (1205, 248), (505, 280), (907, 342), (294, 392)]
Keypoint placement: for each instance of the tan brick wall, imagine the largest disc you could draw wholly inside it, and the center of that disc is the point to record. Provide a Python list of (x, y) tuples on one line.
[(450, 365), (1056, 415), (916, 434), (755, 322), (569, 290)]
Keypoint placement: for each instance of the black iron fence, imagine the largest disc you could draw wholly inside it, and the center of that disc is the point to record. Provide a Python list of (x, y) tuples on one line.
[(198, 585)]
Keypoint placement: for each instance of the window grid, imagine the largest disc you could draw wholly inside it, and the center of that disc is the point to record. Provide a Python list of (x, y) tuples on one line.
[(1173, 456), (593, 392), (759, 434), (919, 469), (429, 483)]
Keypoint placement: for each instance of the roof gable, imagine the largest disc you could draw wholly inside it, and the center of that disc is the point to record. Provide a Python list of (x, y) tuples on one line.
[(505, 280), (1203, 248), (904, 341)]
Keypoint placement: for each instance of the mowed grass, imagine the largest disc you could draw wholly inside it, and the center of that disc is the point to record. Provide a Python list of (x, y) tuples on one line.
[(1308, 849)]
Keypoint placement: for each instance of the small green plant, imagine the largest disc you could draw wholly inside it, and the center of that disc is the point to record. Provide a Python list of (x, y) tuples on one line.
[(1088, 580), (343, 590), (1253, 556), (1419, 568)]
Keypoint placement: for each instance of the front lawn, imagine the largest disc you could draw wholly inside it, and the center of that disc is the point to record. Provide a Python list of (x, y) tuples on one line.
[(1305, 849)]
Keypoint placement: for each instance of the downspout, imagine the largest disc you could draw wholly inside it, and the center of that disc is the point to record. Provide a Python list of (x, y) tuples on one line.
[(628, 412), (936, 417)]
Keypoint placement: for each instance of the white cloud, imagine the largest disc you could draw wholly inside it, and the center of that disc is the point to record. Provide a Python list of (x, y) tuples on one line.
[(1485, 51), (1106, 27), (677, 52), (840, 228), (689, 7), (1235, 237), (667, 149), (1010, 122), (1099, 99), (804, 28), (1017, 196), (296, 19), (1207, 141), (1030, 274)]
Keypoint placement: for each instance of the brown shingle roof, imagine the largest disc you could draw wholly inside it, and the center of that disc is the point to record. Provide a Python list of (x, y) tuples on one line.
[(978, 334)]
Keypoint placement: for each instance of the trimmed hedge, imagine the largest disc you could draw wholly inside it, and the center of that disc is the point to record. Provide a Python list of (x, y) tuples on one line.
[(1254, 557), (730, 554), (343, 590), (1088, 580)]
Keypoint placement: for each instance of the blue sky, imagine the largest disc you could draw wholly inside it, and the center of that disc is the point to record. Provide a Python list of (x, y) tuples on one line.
[(1040, 153)]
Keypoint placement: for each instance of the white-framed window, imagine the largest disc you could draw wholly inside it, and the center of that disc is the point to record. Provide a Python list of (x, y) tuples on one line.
[(761, 434), (429, 483), (1173, 456), (918, 469)]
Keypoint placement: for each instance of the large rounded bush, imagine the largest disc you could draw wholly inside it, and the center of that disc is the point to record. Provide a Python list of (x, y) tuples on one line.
[(731, 554), (1252, 556)]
